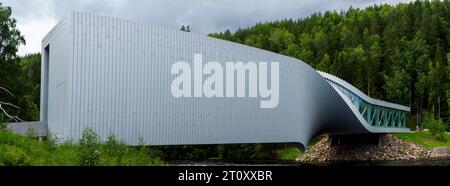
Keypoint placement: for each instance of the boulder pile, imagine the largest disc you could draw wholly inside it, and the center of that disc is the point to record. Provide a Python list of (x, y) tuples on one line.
[(390, 148)]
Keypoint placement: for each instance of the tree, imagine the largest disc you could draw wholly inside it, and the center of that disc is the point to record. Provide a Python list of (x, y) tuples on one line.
[(188, 29), (227, 35), (325, 63), (10, 39), (371, 48), (30, 66), (185, 28), (436, 126), (320, 43), (3, 110), (89, 153), (341, 66), (421, 87), (291, 50), (9, 34), (396, 86), (281, 39), (435, 76), (358, 67), (418, 70), (448, 84), (306, 55)]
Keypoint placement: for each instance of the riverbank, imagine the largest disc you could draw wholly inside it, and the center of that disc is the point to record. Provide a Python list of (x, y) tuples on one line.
[(397, 149), (425, 139), (419, 162), (390, 148), (17, 150)]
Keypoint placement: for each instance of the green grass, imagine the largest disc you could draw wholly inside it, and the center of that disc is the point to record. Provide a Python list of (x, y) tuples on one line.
[(16, 150), (289, 153), (424, 139)]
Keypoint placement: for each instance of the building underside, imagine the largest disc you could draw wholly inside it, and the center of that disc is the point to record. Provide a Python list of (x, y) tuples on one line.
[(114, 76)]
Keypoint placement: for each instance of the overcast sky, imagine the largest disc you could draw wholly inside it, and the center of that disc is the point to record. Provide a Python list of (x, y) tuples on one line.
[(36, 18)]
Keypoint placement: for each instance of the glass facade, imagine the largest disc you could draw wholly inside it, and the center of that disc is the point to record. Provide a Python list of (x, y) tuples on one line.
[(375, 115)]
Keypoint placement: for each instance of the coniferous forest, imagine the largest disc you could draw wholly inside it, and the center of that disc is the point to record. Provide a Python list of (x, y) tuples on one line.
[(399, 53), (396, 53)]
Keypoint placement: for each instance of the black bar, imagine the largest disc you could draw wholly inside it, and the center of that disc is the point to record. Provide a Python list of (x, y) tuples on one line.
[(249, 174)]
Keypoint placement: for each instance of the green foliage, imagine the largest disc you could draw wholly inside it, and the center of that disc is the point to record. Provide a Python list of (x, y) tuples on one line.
[(11, 37), (425, 139), (89, 148), (115, 152), (31, 72), (397, 86), (18, 150), (325, 63), (65, 154), (50, 142), (3, 122), (439, 129), (290, 153), (12, 155), (395, 53), (10, 71), (115, 149), (436, 127), (280, 38), (26, 87), (27, 150), (243, 152), (448, 90)]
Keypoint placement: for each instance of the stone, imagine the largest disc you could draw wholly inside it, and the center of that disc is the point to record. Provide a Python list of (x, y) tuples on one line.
[(392, 148), (441, 151)]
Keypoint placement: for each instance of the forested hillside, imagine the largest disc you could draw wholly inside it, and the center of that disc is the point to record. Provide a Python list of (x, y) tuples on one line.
[(20, 76), (397, 53)]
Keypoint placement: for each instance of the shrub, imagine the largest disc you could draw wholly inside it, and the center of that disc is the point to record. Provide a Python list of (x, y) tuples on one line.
[(436, 127), (9, 138), (50, 142), (17, 150), (439, 130), (3, 122), (290, 153), (143, 155), (243, 152), (115, 150), (64, 154), (13, 156), (89, 154)]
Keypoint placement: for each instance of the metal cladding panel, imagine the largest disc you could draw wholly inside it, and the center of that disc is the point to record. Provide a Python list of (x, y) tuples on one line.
[(121, 79), (57, 67), (353, 89)]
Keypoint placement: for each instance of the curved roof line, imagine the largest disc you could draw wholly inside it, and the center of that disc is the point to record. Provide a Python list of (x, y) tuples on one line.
[(366, 125), (363, 96)]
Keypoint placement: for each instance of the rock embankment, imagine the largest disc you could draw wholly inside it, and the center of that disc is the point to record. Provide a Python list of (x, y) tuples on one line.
[(390, 148)]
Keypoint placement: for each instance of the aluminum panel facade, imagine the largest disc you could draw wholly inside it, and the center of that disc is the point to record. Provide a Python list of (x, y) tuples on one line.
[(115, 76)]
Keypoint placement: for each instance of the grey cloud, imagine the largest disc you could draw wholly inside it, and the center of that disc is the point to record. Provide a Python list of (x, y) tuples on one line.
[(203, 16)]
